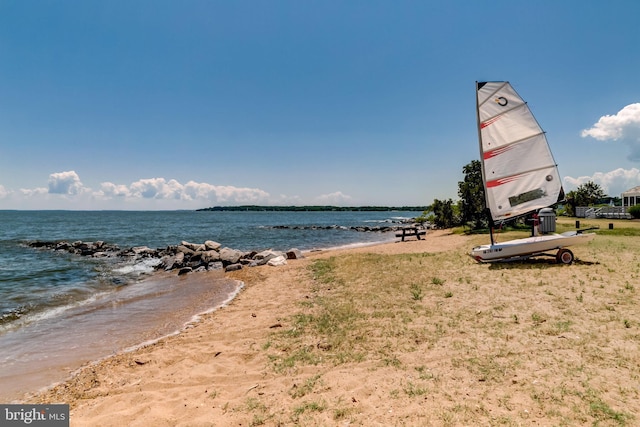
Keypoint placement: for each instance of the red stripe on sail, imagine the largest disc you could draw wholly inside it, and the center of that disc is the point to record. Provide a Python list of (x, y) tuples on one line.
[(489, 122), (498, 182), (492, 153)]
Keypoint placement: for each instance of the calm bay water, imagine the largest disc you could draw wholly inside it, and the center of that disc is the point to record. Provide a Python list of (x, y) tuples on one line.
[(58, 311)]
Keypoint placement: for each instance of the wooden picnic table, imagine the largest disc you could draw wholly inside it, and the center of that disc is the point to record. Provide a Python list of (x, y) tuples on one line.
[(410, 232)]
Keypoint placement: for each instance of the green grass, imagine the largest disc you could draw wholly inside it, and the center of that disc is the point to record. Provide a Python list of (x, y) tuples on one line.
[(514, 329)]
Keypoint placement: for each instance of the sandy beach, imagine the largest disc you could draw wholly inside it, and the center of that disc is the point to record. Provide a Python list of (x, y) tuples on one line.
[(406, 333)]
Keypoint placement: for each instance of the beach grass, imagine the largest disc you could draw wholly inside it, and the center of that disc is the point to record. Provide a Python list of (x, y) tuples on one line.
[(536, 340)]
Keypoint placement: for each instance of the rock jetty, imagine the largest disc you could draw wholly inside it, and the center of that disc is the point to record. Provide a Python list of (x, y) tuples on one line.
[(185, 257)]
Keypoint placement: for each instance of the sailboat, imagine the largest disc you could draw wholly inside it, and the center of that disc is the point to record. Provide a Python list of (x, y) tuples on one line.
[(520, 177)]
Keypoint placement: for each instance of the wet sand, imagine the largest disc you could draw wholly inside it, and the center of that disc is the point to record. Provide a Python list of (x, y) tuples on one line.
[(45, 351)]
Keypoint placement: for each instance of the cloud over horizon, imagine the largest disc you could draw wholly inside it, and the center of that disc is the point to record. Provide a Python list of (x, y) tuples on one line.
[(66, 190), (623, 126), (65, 183), (613, 183), (335, 198), (161, 189)]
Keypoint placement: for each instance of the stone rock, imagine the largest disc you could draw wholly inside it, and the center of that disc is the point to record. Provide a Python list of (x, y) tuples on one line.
[(179, 258), (138, 250), (230, 256), (233, 267), (294, 254), (277, 261), (167, 262), (185, 270), (210, 256), (185, 250), (210, 245), (264, 257), (216, 265), (193, 246)]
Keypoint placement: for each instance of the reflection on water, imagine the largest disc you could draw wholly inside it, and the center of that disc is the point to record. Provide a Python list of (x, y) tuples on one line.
[(43, 352)]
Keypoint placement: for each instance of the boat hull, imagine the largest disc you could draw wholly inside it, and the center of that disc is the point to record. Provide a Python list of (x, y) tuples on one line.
[(529, 246)]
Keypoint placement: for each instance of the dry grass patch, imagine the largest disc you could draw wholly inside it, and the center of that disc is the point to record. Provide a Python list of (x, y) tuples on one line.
[(446, 341)]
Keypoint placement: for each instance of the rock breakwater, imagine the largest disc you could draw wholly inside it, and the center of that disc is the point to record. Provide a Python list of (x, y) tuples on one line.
[(185, 257)]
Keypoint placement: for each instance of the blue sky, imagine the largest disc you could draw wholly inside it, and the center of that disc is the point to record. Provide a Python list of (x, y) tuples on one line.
[(188, 104)]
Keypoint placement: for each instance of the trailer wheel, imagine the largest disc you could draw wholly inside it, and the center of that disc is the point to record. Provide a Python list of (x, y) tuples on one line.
[(565, 256)]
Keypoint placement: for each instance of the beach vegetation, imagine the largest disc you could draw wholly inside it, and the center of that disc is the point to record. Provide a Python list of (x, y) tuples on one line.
[(384, 316), (472, 201), (416, 292), (437, 281), (260, 411), (413, 390), (445, 213), (306, 388), (341, 413), (299, 410), (635, 211)]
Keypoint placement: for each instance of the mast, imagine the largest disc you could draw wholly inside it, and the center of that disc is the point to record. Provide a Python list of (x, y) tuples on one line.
[(484, 180)]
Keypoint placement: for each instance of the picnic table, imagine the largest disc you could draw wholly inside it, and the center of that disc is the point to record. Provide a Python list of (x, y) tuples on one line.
[(410, 232)]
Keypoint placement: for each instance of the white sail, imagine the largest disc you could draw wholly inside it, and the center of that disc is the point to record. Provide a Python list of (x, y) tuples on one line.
[(518, 169)]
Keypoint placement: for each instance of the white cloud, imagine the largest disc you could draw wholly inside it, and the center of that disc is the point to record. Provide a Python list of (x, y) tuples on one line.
[(623, 126), (34, 192), (335, 198), (613, 183), (65, 183), (161, 189), (112, 190), (155, 188), (225, 193), (66, 191)]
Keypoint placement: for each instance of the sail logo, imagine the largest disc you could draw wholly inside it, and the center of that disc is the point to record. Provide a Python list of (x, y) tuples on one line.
[(501, 101)]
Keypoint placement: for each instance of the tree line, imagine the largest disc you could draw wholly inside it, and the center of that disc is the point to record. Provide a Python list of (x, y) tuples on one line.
[(470, 210), (316, 208)]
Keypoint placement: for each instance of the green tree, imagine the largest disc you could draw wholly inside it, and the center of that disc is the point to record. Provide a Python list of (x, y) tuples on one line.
[(444, 213), (471, 193), (587, 194)]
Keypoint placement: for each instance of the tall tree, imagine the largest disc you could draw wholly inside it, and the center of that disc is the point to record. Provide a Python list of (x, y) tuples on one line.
[(471, 193), (587, 194)]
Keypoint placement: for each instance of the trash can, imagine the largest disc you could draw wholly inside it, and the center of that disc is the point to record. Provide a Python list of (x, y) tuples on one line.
[(547, 218)]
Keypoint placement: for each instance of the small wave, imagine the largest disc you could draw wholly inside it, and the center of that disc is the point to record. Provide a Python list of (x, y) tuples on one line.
[(17, 320), (145, 266)]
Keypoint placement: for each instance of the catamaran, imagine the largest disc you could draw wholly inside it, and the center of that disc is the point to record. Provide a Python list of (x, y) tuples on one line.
[(520, 177)]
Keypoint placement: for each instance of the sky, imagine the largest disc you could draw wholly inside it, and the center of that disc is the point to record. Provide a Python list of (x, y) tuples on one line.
[(153, 105)]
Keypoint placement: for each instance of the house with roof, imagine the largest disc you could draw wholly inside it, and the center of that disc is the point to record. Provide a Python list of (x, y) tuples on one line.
[(631, 198)]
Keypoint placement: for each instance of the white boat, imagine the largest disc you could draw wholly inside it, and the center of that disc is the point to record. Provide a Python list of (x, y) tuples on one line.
[(520, 176), (532, 246)]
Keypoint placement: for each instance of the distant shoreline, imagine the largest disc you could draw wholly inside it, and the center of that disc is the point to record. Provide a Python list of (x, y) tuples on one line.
[(316, 208)]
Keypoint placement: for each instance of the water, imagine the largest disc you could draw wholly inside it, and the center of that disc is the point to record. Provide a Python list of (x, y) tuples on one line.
[(59, 311)]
